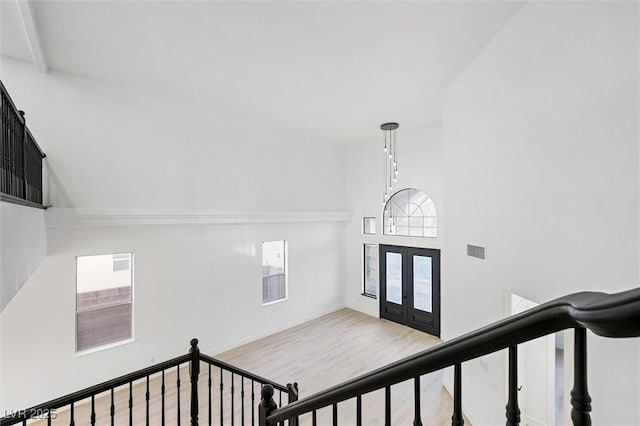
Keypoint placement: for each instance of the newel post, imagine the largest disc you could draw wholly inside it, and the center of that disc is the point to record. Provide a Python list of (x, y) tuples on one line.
[(267, 405), (194, 371), (580, 399), (292, 390)]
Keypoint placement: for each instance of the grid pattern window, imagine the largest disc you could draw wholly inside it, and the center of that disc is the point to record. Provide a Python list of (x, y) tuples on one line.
[(274, 271), (368, 225), (370, 275), (104, 299), (412, 213)]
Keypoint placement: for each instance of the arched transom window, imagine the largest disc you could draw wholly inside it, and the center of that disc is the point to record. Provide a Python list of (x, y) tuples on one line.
[(412, 213)]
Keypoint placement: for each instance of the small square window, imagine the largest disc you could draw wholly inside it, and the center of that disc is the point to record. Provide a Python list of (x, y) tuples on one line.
[(274, 271), (368, 225), (370, 270)]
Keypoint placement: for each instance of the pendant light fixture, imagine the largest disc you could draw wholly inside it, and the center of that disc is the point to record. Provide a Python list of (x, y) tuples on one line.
[(389, 159)]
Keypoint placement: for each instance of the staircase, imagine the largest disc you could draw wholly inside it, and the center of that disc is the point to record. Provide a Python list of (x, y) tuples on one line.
[(208, 385)]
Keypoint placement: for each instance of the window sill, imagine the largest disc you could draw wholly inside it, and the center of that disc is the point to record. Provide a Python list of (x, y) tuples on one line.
[(275, 302), (370, 296), (104, 347)]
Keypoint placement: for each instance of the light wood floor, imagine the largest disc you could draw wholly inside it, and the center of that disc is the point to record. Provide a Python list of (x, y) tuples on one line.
[(317, 355)]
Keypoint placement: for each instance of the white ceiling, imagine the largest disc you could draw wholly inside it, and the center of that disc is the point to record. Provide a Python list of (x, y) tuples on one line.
[(331, 70)]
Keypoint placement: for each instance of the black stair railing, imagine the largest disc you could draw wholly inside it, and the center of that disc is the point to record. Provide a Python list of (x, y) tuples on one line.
[(20, 156), (615, 316), (155, 395)]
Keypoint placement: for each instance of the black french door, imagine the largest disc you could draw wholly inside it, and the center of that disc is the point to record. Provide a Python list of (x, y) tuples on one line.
[(410, 287)]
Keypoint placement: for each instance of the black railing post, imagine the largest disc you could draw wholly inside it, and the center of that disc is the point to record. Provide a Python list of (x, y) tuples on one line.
[(267, 405), (24, 161), (580, 399), (457, 419), (292, 390), (194, 371), (417, 418), (513, 411)]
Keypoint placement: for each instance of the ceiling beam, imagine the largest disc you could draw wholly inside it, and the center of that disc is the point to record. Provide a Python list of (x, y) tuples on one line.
[(31, 31)]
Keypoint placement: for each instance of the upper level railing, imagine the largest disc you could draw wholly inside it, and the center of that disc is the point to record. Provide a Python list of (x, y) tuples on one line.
[(616, 315), (20, 156), (158, 395)]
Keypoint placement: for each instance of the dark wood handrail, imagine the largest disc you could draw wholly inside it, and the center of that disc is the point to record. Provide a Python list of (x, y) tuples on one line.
[(97, 389), (241, 372), (132, 377), (616, 315)]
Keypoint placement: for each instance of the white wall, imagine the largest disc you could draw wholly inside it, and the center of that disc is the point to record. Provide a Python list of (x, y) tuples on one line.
[(420, 167), (200, 281), (118, 150), (23, 246), (541, 167), (109, 146)]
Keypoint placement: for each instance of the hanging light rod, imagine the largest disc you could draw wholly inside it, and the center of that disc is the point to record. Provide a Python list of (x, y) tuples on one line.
[(390, 159)]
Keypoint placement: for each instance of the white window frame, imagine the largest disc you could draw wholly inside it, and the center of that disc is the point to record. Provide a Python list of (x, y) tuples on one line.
[(100, 347), (286, 273), (364, 273)]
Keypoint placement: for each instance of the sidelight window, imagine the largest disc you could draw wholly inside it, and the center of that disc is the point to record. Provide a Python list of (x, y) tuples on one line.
[(274, 271)]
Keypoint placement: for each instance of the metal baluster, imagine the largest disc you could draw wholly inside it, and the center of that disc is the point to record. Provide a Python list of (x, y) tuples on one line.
[(417, 419), (456, 419), (387, 406), (146, 397), (93, 410), (130, 404), (335, 414), (210, 382), (162, 391), (253, 404), (242, 398), (72, 421), (232, 391), (580, 399), (513, 411), (359, 410), (178, 392), (112, 411), (221, 400), (314, 418)]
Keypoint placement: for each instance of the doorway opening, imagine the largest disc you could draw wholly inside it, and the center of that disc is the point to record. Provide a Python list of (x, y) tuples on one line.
[(410, 287), (540, 374)]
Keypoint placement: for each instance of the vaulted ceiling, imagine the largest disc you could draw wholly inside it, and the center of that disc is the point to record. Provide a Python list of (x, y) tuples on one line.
[(334, 70)]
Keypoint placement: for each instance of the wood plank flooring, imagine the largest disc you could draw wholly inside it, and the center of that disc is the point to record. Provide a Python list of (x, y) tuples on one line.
[(316, 354)]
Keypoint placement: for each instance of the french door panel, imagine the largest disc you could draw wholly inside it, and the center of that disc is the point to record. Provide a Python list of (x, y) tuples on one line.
[(410, 287), (392, 273)]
